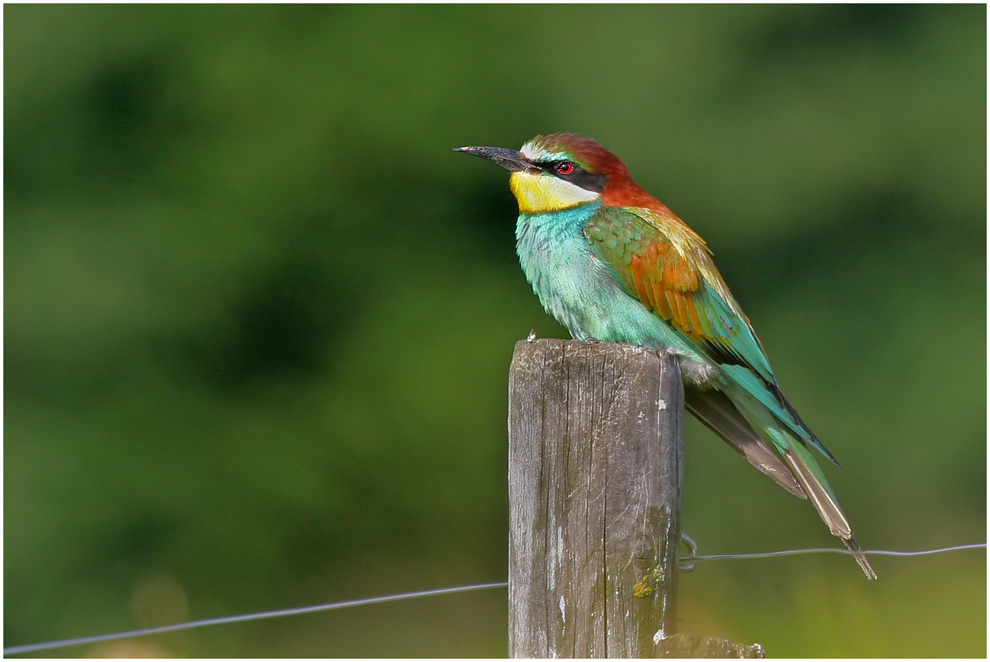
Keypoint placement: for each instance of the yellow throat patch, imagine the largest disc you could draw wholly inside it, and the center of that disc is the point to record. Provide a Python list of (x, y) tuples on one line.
[(539, 192)]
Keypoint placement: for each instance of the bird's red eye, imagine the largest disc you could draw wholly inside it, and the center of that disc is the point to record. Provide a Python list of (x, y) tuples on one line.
[(565, 168)]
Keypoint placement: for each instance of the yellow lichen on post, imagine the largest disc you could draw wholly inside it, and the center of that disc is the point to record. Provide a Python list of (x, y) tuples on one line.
[(643, 589)]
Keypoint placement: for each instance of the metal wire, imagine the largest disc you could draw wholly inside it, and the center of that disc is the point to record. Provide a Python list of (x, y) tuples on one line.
[(686, 562), (832, 550), (31, 648)]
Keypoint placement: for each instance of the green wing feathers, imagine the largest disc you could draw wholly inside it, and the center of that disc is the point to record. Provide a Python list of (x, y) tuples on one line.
[(668, 268), (664, 264)]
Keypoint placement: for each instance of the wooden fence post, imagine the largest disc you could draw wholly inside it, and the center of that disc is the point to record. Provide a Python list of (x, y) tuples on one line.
[(595, 456)]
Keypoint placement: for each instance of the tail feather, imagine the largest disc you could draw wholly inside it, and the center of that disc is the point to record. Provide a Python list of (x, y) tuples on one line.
[(714, 409), (821, 497), (853, 546), (799, 460), (776, 430)]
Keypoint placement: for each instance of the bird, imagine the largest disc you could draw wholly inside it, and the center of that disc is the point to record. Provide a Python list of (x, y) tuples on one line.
[(612, 263)]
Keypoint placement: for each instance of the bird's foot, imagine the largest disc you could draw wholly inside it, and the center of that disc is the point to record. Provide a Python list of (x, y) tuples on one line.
[(532, 335), (593, 341)]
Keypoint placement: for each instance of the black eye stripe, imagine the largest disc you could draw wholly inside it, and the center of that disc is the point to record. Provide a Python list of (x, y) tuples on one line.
[(579, 176)]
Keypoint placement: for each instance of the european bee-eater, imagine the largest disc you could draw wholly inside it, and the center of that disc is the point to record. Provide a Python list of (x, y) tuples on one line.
[(611, 262)]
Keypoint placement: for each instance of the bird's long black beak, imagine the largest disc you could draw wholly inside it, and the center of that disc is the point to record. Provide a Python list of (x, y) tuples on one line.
[(509, 159)]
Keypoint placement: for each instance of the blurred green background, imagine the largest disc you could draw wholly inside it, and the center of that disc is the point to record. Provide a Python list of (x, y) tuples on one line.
[(258, 316)]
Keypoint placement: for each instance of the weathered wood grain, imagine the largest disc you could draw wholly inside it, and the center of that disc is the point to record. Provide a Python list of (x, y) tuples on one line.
[(595, 457)]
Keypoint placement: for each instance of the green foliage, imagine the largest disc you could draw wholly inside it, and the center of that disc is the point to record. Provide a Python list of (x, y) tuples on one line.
[(259, 316)]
